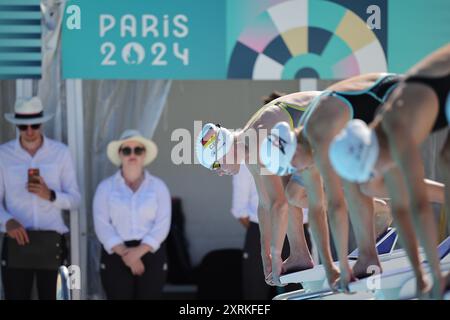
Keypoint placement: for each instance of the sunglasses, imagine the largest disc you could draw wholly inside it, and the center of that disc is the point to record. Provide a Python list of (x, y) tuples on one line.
[(127, 151), (215, 166), (23, 127)]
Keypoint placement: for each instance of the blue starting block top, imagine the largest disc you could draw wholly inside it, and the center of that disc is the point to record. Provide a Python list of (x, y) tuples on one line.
[(385, 243)]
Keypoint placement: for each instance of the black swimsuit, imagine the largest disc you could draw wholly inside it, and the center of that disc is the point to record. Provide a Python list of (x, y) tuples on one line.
[(363, 104), (441, 87)]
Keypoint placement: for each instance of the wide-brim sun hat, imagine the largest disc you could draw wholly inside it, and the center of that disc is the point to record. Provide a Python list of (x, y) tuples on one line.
[(151, 150), (28, 111)]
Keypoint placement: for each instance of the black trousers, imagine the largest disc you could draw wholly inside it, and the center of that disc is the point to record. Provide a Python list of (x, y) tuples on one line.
[(254, 286), (18, 283), (285, 254), (120, 284)]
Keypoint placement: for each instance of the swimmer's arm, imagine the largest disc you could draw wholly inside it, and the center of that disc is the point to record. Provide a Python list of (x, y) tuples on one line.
[(408, 158), (263, 222), (278, 207), (279, 220), (265, 238), (336, 207), (317, 215)]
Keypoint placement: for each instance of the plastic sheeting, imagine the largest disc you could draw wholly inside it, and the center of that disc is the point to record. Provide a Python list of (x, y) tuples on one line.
[(430, 153), (50, 88), (7, 99)]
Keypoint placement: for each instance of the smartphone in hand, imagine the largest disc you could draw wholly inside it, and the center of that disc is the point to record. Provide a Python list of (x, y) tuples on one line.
[(33, 175)]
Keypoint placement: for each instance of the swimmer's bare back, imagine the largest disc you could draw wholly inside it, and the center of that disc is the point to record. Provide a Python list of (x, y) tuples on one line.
[(271, 114)]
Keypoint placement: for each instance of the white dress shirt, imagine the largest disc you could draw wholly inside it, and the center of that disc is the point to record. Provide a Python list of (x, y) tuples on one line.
[(56, 168), (245, 195), (121, 215)]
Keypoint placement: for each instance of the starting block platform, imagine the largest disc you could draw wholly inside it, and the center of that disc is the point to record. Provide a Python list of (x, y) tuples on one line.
[(396, 282)]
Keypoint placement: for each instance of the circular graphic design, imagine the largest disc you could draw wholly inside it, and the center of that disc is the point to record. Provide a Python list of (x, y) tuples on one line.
[(304, 39)]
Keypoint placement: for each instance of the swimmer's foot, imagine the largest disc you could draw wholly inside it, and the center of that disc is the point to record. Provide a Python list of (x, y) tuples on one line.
[(292, 264), (366, 267)]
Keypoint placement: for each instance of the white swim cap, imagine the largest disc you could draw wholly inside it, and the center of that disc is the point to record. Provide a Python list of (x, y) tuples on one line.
[(213, 149), (354, 152), (278, 149)]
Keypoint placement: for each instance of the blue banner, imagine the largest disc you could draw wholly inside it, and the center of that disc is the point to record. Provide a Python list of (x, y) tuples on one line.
[(144, 39), (248, 39)]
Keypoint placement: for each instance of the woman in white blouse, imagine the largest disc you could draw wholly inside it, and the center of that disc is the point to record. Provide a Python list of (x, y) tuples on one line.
[(132, 214)]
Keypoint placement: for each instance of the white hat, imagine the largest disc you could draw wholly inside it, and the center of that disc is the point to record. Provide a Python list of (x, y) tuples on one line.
[(278, 149), (354, 152), (215, 148), (28, 111), (151, 150)]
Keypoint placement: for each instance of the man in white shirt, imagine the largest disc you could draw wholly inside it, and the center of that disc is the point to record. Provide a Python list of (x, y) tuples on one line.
[(37, 182)]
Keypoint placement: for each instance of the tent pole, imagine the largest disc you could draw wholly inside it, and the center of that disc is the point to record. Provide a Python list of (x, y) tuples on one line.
[(78, 225)]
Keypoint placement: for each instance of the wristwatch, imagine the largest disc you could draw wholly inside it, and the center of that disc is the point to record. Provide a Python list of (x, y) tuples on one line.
[(52, 196)]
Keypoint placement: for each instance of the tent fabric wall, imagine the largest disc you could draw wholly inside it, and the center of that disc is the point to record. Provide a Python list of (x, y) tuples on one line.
[(7, 99), (7, 131), (430, 153), (50, 88)]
